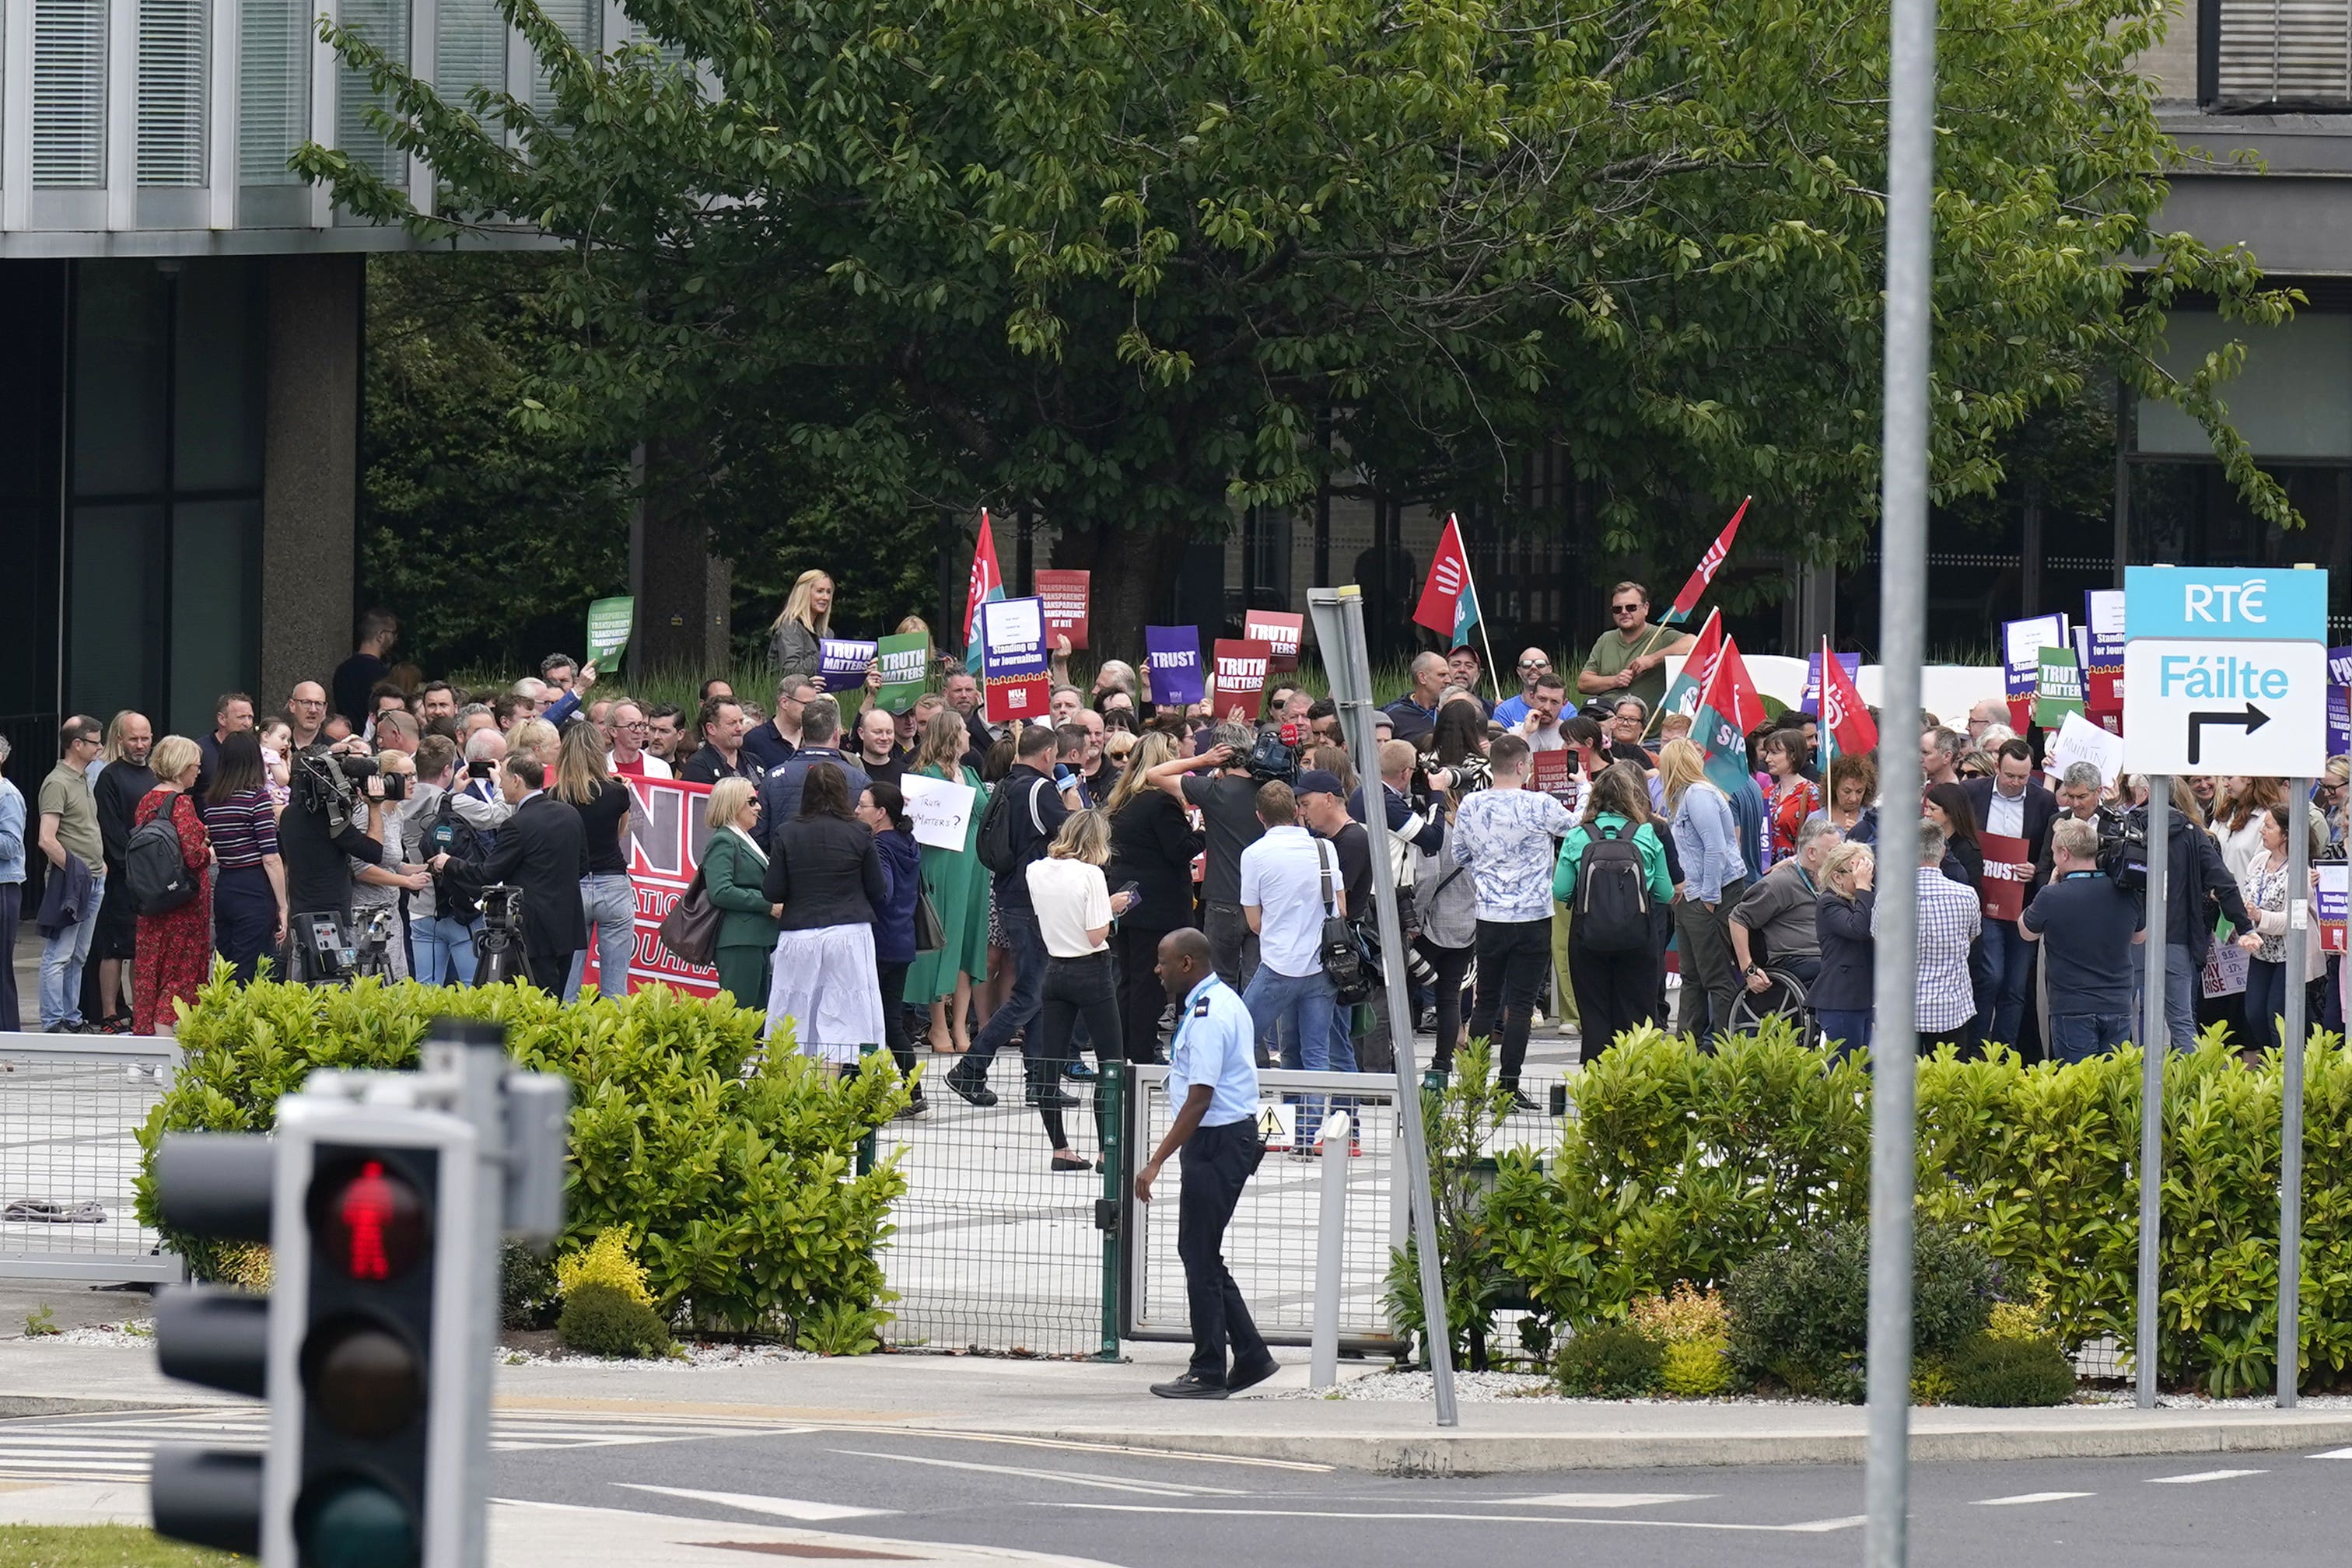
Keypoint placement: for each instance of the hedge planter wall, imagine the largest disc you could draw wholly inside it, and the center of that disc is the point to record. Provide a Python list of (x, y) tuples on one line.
[(738, 1185)]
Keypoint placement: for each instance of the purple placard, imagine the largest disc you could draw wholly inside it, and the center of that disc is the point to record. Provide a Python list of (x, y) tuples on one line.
[(2021, 645), (2340, 667), (2339, 722), (1813, 700), (842, 658), (1175, 653)]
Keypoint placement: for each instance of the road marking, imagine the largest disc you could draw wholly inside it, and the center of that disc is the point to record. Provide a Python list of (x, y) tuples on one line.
[(783, 1507), (1809, 1527), (2201, 1476), (1069, 1478), (2335, 1454), (1069, 1445), (2026, 1497), (1605, 1499)]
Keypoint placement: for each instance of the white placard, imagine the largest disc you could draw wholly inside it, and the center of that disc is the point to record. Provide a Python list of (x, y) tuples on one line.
[(2080, 740), (939, 809), (2225, 970)]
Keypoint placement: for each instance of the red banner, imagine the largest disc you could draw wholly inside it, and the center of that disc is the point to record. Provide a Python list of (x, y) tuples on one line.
[(1066, 594), (1279, 632), (1240, 666), (666, 839), (2008, 867), (1555, 774)]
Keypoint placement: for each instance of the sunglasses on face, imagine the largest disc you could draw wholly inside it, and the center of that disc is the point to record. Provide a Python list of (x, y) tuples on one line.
[(1624, 609)]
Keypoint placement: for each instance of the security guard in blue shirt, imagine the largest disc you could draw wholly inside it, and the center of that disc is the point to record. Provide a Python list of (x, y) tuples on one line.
[(1212, 1083)]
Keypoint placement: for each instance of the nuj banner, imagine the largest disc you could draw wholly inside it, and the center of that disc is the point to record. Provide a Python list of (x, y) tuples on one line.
[(1014, 658), (666, 839)]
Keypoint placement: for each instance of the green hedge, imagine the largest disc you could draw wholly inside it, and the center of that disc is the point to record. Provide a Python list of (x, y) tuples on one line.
[(741, 1187), (1681, 1164)]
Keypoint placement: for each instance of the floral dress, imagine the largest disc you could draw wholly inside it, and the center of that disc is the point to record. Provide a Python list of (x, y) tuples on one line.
[(1796, 799), (176, 948)]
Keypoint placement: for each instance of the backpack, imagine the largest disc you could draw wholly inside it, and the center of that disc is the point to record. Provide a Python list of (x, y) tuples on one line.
[(1612, 894), (453, 835), (1342, 951), (997, 850), (156, 867)]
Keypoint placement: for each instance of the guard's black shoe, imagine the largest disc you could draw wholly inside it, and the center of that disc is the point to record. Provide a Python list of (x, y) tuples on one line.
[(1192, 1385), (1252, 1377), (973, 1087)]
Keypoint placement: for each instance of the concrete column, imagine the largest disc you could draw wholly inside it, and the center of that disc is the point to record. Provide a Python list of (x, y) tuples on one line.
[(309, 487)]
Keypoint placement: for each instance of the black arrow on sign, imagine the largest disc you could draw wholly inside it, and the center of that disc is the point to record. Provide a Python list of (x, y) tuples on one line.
[(2253, 718)]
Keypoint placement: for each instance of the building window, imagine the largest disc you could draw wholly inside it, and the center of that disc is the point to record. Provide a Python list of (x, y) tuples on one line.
[(273, 89), (384, 24), (2275, 53), (68, 94), (171, 74)]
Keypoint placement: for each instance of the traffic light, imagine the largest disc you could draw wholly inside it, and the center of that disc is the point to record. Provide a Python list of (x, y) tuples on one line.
[(383, 1197)]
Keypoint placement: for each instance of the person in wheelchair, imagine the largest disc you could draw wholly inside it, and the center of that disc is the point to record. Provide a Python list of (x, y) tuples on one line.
[(1773, 931)]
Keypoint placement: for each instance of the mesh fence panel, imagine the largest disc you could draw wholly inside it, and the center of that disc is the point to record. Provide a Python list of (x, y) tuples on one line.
[(70, 1108)]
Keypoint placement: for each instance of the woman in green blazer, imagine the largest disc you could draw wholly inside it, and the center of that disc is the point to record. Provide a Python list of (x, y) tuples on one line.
[(732, 866)]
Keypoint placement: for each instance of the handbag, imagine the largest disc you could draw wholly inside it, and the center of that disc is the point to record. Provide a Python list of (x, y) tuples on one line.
[(930, 935), (690, 929)]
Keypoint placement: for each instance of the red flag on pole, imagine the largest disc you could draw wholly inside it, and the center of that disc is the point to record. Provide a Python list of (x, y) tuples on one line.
[(987, 583), (1687, 600), (1449, 578), (1843, 713), (1730, 692), (1683, 696)]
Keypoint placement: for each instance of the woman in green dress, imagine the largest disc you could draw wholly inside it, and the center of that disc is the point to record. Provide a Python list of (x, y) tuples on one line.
[(957, 888), (733, 865)]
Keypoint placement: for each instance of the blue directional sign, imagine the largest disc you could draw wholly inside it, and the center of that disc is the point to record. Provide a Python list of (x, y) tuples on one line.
[(2225, 672)]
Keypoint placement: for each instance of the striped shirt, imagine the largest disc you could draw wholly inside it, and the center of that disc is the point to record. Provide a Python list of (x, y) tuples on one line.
[(243, 829)]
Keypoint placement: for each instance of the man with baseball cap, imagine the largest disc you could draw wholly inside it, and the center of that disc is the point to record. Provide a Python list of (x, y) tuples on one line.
[(1323, 807)]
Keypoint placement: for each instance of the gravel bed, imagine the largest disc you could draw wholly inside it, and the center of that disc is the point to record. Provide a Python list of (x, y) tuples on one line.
[(689, 1355), (139, 1333)]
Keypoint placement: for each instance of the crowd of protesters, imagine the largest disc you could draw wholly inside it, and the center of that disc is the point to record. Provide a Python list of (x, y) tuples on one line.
[(1127, 820)]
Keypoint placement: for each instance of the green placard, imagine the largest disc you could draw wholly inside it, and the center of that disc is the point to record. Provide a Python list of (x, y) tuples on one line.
[(608, 630), (2057, 688), (905, 664)]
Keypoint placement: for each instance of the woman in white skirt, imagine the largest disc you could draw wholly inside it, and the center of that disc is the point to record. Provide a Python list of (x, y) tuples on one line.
[(823, 874)]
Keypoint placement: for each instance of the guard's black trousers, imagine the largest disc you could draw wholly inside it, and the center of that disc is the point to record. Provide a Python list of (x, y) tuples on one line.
[(1217, 1163)]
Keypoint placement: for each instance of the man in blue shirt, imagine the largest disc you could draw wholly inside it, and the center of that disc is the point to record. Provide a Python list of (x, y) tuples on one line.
[(1512, 712), (1213, 1084), (2087, 928), (1414, 714)]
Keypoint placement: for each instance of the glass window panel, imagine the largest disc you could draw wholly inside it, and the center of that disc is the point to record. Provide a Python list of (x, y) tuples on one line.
[(121, 312), (68, 94), (471, 48), (273, 89), (117, 554), (384, 24), (582, 22), (216, 606), (171, 74), (218, 406)]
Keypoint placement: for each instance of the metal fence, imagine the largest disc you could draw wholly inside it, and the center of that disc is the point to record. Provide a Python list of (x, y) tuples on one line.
[(70, 1108)]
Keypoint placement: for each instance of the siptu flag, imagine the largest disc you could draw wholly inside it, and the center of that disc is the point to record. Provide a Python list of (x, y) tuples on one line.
[(1708, 564), (987, 583), (1729, 707), (1449, 600), (1681, 696), (1846, 726)]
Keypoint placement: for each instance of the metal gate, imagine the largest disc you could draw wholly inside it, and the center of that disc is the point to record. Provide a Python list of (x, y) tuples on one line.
[(70, 1110)]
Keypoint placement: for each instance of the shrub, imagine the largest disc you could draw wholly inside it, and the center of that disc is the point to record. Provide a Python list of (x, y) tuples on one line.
[(598, 1320), (741, 1188), (611, 1262), (1688, 1313), (1802, 1315), (1609, 1362), (1986, 1371), (1696, 1368), (1462, 1123), (528, 1293)]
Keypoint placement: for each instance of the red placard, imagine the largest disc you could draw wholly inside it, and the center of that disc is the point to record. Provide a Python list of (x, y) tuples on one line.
[(2008, 867), (666, 839), (1066, 596), (1555, 772), (1280, 632), (1240, 666)]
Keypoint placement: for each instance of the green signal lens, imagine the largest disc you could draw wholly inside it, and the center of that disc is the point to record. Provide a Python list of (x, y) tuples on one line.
[(347, 1521)]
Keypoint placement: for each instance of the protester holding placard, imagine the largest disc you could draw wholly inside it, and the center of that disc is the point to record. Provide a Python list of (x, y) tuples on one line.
[(942, 981), (805, 620), (733, 866), (2013, 815)]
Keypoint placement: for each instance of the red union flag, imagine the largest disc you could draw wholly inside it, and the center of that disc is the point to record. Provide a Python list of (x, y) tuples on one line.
[(1241, 676), (1687, 600), (1440, 608), (987, 583), (1843, 713), (1730, 692)]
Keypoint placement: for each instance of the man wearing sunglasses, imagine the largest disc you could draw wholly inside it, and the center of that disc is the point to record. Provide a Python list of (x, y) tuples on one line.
[(1632, 656), (1512, 712)]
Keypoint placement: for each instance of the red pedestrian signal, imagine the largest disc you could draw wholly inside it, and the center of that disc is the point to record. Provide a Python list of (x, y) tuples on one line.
[(376, 1225)]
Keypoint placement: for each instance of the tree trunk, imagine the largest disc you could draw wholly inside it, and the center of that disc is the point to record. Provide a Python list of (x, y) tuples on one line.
[(1134, 582), (682, 590)]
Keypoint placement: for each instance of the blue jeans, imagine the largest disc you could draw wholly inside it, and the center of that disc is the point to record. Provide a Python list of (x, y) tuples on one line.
[(1294, 1014), (63, 955), (2005, 958), (1028, 945), (1844, 1030), (2079, 1037), (445, 950), (2180, 985), (610, 903)]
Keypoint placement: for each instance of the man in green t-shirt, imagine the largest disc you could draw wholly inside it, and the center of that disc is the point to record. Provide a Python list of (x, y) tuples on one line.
[(69, 826), (1632, 658)]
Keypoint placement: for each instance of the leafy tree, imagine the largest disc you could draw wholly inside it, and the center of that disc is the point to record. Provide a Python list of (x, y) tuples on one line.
[(1120, 258)]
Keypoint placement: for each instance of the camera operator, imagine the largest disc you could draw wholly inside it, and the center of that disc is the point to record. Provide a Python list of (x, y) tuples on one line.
[(376, 888), (543, 851), (334, 819), (1227, 802)]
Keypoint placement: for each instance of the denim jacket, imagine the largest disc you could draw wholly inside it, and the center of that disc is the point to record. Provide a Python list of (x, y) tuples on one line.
[(1706, 838), (12, 833)]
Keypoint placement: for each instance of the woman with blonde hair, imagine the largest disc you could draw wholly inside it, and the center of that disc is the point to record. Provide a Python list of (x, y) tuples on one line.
[(958, 887), (1074, 910), (585, 781), (1152, 846), (1714, 874), (733, 866), (175, 947), (1840, 997), (807, 615)]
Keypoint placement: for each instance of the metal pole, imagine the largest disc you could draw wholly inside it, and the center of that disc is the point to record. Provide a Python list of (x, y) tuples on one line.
[(2298, 928), (1339, 631), (1330, 1237), (474, 1053), (2156, 1034), (1110, 1129), (1902, 620)]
